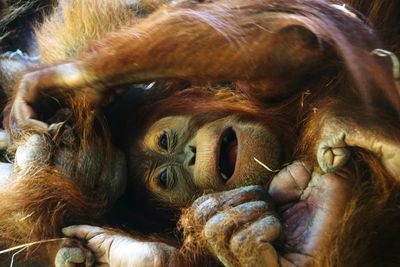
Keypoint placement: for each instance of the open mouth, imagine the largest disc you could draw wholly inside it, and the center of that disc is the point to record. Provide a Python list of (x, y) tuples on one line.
[(228, 154)]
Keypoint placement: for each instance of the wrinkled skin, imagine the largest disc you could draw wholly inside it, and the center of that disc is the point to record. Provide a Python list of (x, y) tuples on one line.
[(111, 248), (339, 133), (36, 152), (288, 223), (61, 152), (300, 205), (178, 157)]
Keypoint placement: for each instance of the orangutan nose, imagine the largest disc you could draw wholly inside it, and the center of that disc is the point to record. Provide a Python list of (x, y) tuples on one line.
[(190, 156)]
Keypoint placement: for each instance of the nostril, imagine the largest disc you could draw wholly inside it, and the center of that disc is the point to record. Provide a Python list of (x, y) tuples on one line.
[(192, 160), (191, 155)]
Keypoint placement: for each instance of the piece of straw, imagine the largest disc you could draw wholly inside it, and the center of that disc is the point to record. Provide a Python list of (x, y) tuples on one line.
[(264, 165), (23, 246), (13, 256)]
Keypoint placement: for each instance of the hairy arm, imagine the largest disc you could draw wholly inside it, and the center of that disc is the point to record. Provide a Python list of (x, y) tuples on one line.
[(225, 40)]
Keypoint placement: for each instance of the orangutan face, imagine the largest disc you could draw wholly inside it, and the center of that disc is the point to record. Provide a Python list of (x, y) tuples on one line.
[(180, 156)]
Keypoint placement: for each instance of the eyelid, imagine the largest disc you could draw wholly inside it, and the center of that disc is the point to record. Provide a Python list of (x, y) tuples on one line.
[(158, 140), (172, 139), (171, 177), (174, 177)]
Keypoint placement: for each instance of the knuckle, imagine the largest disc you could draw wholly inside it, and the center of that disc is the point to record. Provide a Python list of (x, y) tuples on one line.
[(199, 201), (245, 194), (303, 165), (257, 234), (223, 224), (257, 207), (214, 229), (237, 242), (205, 208), (251, 189), (267, 229)]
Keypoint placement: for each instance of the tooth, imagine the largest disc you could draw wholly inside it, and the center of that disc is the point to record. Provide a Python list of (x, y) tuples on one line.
[(224, 176)]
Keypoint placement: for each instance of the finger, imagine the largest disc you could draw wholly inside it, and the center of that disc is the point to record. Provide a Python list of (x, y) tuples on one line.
[(21, 110), (208, 205), (331, 159), (69, 257), (28, 87), (264, 254), (265, 230), (289, 184), (220, 227), (225, 222), (22, 116), (82, 231)]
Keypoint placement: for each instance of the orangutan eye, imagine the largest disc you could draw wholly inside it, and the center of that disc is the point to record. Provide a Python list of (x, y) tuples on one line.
[(166, 179), (163, 179), (163, 141)]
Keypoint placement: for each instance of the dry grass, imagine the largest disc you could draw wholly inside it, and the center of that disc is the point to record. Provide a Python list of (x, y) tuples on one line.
[(26, 245), (264, 165)]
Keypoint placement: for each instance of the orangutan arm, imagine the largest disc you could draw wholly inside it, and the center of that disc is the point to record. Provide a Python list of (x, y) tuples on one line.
[(226, 40), (220, 40)]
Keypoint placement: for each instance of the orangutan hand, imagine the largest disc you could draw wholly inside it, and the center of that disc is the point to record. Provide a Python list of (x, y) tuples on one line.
[(36, 84), (237, 225), (338, 134), (241, 227), (47, 89), (117, 250)]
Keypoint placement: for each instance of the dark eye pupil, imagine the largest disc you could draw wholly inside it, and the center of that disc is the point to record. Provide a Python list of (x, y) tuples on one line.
[(163, 178), (163, 142)]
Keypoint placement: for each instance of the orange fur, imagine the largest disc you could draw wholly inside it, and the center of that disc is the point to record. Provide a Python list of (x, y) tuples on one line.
[(353, 77)]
